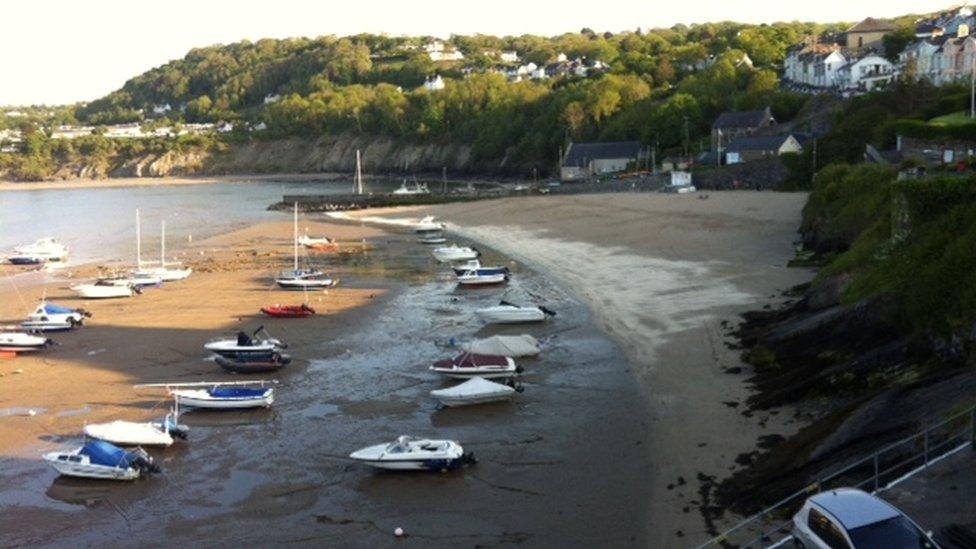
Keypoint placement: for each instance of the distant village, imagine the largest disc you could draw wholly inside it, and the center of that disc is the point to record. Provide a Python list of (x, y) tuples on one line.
[(846, 64)]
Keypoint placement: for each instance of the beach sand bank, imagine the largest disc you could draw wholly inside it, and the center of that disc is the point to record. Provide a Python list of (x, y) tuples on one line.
[(156, 336), (664, 275)]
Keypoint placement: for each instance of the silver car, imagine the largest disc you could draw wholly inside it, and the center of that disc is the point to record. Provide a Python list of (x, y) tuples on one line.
[(848, 518)]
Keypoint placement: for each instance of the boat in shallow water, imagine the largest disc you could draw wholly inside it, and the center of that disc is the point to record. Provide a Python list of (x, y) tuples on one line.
[(476, 390), (40, 251), (508, 313), (467, 365), (100, 459), (225, 398), (414, 454)]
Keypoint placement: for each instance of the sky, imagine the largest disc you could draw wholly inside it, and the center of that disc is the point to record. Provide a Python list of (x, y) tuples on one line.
[(62, 51)]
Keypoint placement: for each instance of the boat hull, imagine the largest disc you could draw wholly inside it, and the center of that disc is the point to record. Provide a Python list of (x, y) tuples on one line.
[(87, 470), (252, 366), (455, 402), (92, 291), (511, 316), (126, 433), (223, 404), (303, 284), (482, 279)]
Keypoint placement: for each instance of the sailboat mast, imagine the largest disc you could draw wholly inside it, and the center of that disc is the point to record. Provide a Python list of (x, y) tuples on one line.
[(138, 241), (162, 245), (359, 174), (296, 238)]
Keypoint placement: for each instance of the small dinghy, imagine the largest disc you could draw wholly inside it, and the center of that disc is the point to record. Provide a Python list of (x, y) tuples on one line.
[(428, 224), (414, 454), (504, 345), (474, 278), (52, 318), (253, 363), (432, 238), (20, 342), (225, 398), (476, 390), (467, 365), (103, 290), (475, 265), (454, 252), (100, 459), (508, 313), (131, 433), (244, 344), (288, 311)]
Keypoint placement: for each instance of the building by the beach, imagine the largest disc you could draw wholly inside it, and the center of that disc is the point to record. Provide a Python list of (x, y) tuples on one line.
[(585, 160)]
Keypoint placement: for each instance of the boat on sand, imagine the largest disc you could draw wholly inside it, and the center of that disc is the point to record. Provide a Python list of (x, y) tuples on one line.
[(467, 365), (509, 313), (100, 459), (476, 390)]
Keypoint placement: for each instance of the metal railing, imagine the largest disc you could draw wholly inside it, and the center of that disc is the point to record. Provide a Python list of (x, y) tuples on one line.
[(875, 473)]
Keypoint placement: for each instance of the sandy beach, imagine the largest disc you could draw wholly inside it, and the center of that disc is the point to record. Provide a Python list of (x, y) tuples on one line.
[(156, 336), (664, 275)]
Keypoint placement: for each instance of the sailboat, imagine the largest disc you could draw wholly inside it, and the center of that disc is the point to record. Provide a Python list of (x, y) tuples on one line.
[(167, 271), (302, 279)]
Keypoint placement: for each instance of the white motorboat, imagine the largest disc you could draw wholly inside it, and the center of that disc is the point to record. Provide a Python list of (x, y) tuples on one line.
[(310, 242), (428, 224), (131, 433), (44, 249), (414, 454), (507, 313), (20, 342), (504, 345), (432, 238), (302, 279), (476, 390), (244, 344), (468, 365), (100, 459), (225, 398), (166, 271), (476, 278), (102, 290), (417, 189), (52, 318), (454, 252), (136, 280)]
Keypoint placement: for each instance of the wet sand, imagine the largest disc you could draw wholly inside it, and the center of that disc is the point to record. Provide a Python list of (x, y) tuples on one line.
[(156, 336), (550, 471), (664, 276)]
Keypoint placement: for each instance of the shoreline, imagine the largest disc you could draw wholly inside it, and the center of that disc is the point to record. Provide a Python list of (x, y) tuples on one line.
[(126, 340), (167, 181), (667, 302)]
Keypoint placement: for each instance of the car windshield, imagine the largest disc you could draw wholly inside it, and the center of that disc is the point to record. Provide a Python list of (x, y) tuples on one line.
[(895, 532)]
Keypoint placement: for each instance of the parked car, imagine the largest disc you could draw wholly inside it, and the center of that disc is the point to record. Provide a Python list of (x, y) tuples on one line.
[(848, 518)]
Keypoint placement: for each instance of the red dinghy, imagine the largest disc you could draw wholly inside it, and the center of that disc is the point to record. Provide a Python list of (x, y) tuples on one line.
[(288, 311)]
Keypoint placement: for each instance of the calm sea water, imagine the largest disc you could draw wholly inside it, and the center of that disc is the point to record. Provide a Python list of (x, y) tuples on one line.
[(99, 224)]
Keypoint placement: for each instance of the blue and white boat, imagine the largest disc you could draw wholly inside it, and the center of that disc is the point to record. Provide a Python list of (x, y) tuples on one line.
[(225, 398), (475, 265), (100, 459), (414, 454), (48, 317)]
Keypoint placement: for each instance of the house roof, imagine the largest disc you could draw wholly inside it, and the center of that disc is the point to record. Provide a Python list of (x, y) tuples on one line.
[(741, 119), (854, 508), (580, 154), (757, 143), (872, 25)]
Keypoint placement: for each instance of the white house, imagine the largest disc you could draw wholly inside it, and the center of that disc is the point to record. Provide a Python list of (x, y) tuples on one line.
[(272, 98), (434, 84), (509, 56), (161, 110), (814, 65), (867, 73), (71, 132), (439, 51), (561, 58)]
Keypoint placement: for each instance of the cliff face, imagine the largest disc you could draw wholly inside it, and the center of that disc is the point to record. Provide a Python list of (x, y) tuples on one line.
[(329, 153)]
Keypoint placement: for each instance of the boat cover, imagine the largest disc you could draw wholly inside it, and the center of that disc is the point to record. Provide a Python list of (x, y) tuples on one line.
[(228, 392), (474, 387), (57, 310), (470, 360), (513, 346), (100, 452)]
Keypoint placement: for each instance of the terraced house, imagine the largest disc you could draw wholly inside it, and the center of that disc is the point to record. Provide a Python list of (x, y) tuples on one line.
[(849, 62)]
